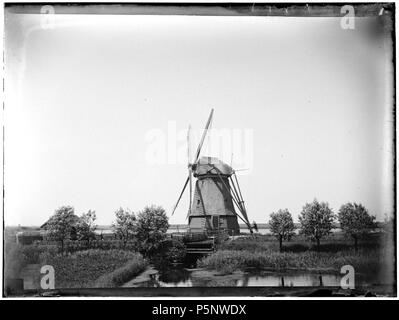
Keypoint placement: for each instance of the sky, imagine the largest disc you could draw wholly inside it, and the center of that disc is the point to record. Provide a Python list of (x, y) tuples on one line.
[(97, 109)]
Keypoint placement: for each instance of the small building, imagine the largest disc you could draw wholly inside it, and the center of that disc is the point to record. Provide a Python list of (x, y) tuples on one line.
[(29, 236)]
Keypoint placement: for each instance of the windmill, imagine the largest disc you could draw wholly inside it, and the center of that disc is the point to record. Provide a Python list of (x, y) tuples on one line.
[(217, 203)]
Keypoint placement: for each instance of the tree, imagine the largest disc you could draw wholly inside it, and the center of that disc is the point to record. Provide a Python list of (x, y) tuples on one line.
[(151, 227), (124, 226), (316, 220), (282, 226), (61, 224), (86, 227), (355, 221), (389, 224)]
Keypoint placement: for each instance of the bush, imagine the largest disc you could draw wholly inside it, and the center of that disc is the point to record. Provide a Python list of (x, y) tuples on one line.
[(176, 252), (170, 251)]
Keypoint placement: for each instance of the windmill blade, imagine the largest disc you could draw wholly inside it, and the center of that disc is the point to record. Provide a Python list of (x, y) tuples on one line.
[(197, 154), (191, 189), (189, 166), (188, 145), (181, 194), (191, 192)]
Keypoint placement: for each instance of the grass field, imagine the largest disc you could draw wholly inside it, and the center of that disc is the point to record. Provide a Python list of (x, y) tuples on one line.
[(262, 252), (232, 260), (82, 269), (94, 268), (332, 243)]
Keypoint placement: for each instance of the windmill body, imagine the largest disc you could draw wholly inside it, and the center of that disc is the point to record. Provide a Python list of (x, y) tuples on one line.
[(217, 196), (212, 207)]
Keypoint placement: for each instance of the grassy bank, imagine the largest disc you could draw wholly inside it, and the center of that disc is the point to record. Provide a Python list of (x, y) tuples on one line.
[(121, 275), (227, 261), (333, 243), (262, 252), (82, 269), (94, 268)]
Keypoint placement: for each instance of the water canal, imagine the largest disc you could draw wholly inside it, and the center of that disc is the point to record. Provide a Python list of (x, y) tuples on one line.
[(185, 277)]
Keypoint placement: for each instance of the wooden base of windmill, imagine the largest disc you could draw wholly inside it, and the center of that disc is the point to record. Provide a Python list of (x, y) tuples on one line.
[(213, 224), (212, 209)]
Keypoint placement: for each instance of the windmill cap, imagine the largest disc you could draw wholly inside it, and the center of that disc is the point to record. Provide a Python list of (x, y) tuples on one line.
[(212, 165)]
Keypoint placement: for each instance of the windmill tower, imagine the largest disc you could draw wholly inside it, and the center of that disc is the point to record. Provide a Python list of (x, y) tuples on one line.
[(217, 203)]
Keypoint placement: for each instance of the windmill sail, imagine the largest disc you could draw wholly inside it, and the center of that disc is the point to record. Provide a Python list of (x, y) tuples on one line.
[(197, 154), (189, 167), (181, 194)]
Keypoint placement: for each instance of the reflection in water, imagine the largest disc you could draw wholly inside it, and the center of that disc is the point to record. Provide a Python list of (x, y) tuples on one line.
[(169, 277), (298, 280), (217, 281), (180, 277), (175, 277)]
